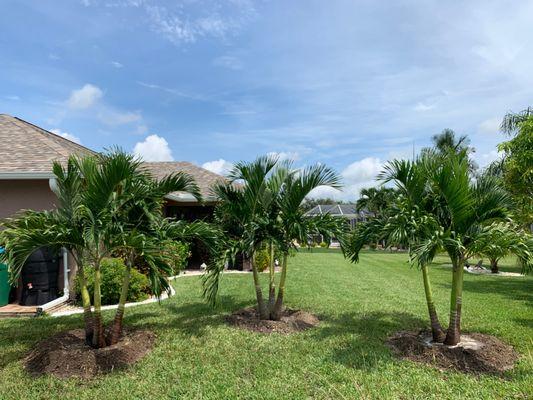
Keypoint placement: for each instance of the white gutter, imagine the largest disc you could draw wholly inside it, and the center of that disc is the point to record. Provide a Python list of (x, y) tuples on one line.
[(187, 198), (26, 175)]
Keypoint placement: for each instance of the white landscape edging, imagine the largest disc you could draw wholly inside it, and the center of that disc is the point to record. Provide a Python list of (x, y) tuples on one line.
[(164, 296)]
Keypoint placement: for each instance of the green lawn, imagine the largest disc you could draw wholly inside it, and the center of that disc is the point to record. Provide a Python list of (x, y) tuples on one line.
[(198, 356)]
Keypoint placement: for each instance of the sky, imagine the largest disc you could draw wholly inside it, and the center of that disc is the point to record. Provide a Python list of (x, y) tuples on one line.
[(350, 84)]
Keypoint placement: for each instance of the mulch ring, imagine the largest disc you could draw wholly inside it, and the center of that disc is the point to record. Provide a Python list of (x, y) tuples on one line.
[(291, 321), (476, 354), (66, 355)]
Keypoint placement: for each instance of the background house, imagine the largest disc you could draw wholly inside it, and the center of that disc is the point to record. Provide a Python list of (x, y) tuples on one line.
[(346, 211), (26, 182)]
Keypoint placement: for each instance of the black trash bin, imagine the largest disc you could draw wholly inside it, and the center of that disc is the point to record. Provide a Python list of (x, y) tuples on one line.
[(40, 278)]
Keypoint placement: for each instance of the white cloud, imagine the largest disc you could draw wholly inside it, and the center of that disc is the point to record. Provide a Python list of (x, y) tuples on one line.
[(116, 64), (491, 125), (113, 117), (180, 27), (285, 155), (66, 135), (53, 57), (356, 176), (153, 148), (12, 97), (84, 97), (363, 170), (421, 107), (486, 158), (220, 166), (228, 62)]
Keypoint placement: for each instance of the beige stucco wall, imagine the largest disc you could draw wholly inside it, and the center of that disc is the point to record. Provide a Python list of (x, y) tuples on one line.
[(16, 195)]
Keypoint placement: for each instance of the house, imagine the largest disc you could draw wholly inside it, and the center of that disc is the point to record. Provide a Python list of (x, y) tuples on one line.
[(346, 211), (27, 182)]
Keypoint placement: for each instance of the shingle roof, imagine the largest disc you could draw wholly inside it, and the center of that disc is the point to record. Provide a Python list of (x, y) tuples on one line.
[(26, 148), (204, 179), (339, 210)]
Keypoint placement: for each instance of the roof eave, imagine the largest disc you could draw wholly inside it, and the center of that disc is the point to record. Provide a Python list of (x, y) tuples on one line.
[(187, 198), (25, 175)]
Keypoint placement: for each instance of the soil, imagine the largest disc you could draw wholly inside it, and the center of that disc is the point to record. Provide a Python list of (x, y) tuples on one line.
[(291, 321), (476, 354), (66, 354)]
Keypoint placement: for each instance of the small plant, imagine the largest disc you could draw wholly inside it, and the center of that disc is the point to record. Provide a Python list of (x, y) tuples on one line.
[(262, 260), (323, 245), (112, 270)]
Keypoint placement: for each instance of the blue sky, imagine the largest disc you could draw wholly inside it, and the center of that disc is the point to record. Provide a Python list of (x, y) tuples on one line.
[(346, 83)]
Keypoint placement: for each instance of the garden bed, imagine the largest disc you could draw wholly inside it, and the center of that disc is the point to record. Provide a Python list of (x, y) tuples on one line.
[(66, 354), (291, 321), (477, 353)]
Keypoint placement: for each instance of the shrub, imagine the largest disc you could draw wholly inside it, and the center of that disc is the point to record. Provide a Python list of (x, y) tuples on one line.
[(323, 245), (112, 271), (262, 260), (177, 253)]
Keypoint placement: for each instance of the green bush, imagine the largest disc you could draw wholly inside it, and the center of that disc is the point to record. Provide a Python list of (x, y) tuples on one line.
[(262, 260), (323, 245), (177, 253), (112, 272)]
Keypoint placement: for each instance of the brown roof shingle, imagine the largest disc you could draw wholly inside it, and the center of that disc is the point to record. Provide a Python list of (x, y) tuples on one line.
[(26, 148), (204, 179)]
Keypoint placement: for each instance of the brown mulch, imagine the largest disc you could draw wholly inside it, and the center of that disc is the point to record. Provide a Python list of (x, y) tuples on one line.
[(476, 354), (291, 321), (66, 355)]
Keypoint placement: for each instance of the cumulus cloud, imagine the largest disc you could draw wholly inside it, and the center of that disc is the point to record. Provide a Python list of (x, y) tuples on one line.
[(220, 166), (356, 176), (153, 148), (66, 135), (84, 97), (116, 64)]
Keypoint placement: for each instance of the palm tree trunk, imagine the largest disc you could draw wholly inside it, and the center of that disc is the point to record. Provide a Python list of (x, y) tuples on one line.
[(272, 283), (261, 306), (494, 266), (98, 338), (453, 335), (86, 302), (116, 327), (436, 329), (278, 307)]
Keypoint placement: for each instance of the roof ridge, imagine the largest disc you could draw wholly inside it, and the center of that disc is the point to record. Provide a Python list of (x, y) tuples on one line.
[(43, 133)]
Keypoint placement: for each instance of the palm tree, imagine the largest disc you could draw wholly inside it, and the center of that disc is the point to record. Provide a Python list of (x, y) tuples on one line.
[(260, 207), (406, 222), (375, 200), (512, 121), (500, 239), (107, 205)]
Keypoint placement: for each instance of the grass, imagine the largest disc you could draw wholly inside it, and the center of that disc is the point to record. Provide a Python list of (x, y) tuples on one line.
[(198, 356)]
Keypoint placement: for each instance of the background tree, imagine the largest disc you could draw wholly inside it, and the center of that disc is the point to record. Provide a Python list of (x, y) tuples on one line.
[(517, 164), (375, 199)]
